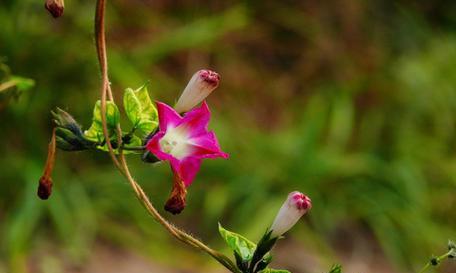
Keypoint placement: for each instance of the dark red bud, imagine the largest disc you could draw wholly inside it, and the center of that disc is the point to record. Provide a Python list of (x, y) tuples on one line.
[(176, 202), (55, 7), (44, 188)]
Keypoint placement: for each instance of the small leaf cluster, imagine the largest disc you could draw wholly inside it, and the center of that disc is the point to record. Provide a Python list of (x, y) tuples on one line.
[(251, 257), (139, 109)]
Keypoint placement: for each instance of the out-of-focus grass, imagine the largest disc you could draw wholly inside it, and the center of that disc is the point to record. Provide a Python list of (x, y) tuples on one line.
[(353, 105)]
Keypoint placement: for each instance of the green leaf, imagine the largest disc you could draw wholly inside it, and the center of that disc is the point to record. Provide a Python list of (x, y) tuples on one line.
[(95, 132), (140, 110), (239, 244), (336, 268), (270, 270), (23, 84), (132, 106), (13, 87)]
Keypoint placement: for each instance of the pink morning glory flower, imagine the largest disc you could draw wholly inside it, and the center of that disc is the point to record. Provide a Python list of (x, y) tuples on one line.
[(184, 141)]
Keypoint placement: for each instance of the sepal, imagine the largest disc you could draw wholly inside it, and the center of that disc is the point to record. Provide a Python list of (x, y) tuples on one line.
[(267, 259), (264, 246)]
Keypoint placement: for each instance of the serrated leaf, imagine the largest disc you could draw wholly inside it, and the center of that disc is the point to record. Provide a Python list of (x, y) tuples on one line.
[(132, 106), (140, 110), (95, 132), (147, 126), (270, 270), (239, 244)]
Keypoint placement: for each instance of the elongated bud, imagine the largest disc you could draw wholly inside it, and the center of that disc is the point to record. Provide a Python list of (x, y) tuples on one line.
[(65, 120), (55, 7), (176, 202), (45, 182), (69, 134), (296, 205), (198, 88)]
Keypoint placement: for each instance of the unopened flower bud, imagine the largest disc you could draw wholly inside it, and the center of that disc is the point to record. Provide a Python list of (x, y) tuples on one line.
[(44, 188), (65, 120), (296, 205), (69, 134), (55, 7), (198, 88)]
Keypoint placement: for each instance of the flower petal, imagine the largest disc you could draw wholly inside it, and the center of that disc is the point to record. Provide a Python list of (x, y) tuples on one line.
[(207, 146), (186, 169), (197, 120), (167, 116)]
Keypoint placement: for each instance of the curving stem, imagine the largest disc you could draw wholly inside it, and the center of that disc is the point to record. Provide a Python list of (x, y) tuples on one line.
[(120, 161)]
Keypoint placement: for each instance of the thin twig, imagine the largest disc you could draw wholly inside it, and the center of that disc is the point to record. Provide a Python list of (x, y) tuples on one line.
[(100, 41), (438, 260)]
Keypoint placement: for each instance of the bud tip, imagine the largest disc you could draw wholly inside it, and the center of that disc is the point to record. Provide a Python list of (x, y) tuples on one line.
[(44, 188), (209, 76), (300, 200), (176, 202), (294, 207)]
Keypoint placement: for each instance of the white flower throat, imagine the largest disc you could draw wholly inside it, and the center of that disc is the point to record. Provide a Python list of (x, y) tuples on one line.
[(176, 142)]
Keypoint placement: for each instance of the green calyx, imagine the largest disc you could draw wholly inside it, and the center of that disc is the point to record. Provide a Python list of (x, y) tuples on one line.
[(251, 257)]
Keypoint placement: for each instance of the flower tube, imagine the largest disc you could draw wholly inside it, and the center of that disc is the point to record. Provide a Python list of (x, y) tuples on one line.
[(198, 88)]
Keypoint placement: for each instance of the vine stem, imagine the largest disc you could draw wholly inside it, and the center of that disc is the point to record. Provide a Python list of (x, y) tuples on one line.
[(439, 259), (426, 266), (120, 161)]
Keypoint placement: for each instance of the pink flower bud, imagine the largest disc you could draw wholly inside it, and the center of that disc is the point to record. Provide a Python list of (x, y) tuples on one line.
[(198, 88), (296, 205), (55, 7)]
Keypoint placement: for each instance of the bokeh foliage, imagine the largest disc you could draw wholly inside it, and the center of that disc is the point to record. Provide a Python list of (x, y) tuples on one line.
[(352, 102)]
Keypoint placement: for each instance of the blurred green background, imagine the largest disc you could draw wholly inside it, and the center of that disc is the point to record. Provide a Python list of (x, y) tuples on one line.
[(352, 102)]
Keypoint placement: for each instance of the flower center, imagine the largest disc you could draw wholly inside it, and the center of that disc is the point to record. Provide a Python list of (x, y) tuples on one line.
[(175, 142)]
